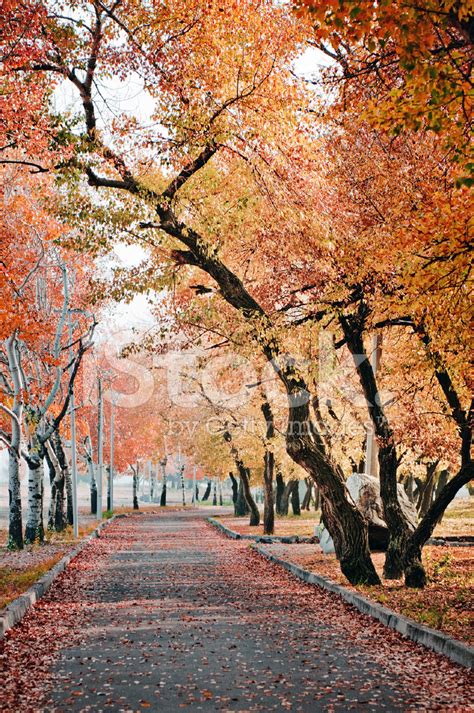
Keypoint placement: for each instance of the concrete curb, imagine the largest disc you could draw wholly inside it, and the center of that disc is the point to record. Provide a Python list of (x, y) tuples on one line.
[(265, 539), (431, 638), (16, 610)]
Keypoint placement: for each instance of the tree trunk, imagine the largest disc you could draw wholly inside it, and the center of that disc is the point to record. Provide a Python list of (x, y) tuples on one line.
[(56, 516), (254, 511), (235, 491), (92, 486), (285, 498), (308, 494), (135, 488), (268, 505), (295, 498), (214, 496), (415, 575), (317, 498), (398, 526), (15, 525), (62, 485), (207, 492), (152, 484), (241, 507), (426, 494), (34, 528), (280, 489)]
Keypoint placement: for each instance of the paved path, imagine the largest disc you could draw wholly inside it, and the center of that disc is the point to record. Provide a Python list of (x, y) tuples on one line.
[(163, 613)]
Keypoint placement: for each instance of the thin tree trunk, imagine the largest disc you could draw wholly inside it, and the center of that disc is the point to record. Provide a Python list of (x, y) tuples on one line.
[(317, 498), (163, 484), (241, 508), (62, 485), (305, 505), (135, 487), (285, 498), (268, 469), (280, 489), (442, 480), (92, 486), (268, 505), (15, 525), (56, 518), (254, 511), (214, 497), (207, 491), (295, 498), (235, 491)]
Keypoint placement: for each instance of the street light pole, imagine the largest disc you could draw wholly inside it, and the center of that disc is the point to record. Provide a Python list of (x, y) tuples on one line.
[(100, 430), (112, 453)]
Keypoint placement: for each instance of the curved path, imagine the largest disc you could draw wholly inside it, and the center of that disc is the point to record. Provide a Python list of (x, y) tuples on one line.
[(164, 613)]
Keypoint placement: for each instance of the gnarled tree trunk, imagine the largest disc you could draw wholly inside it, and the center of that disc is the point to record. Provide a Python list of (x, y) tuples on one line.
[(398, 526)]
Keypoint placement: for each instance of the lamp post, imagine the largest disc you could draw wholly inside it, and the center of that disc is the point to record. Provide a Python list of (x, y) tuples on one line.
[(100, 445), (194, 484), (112, 453)]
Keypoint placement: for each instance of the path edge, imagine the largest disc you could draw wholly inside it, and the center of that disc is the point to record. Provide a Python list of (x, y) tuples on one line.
[(453, 649), (14, 612)]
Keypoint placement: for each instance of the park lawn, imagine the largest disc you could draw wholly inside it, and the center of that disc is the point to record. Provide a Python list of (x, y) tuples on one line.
[(302, 526), (445, 604), (458, 519)]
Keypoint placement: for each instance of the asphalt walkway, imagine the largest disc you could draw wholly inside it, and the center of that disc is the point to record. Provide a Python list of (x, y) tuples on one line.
[(163, 613)]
